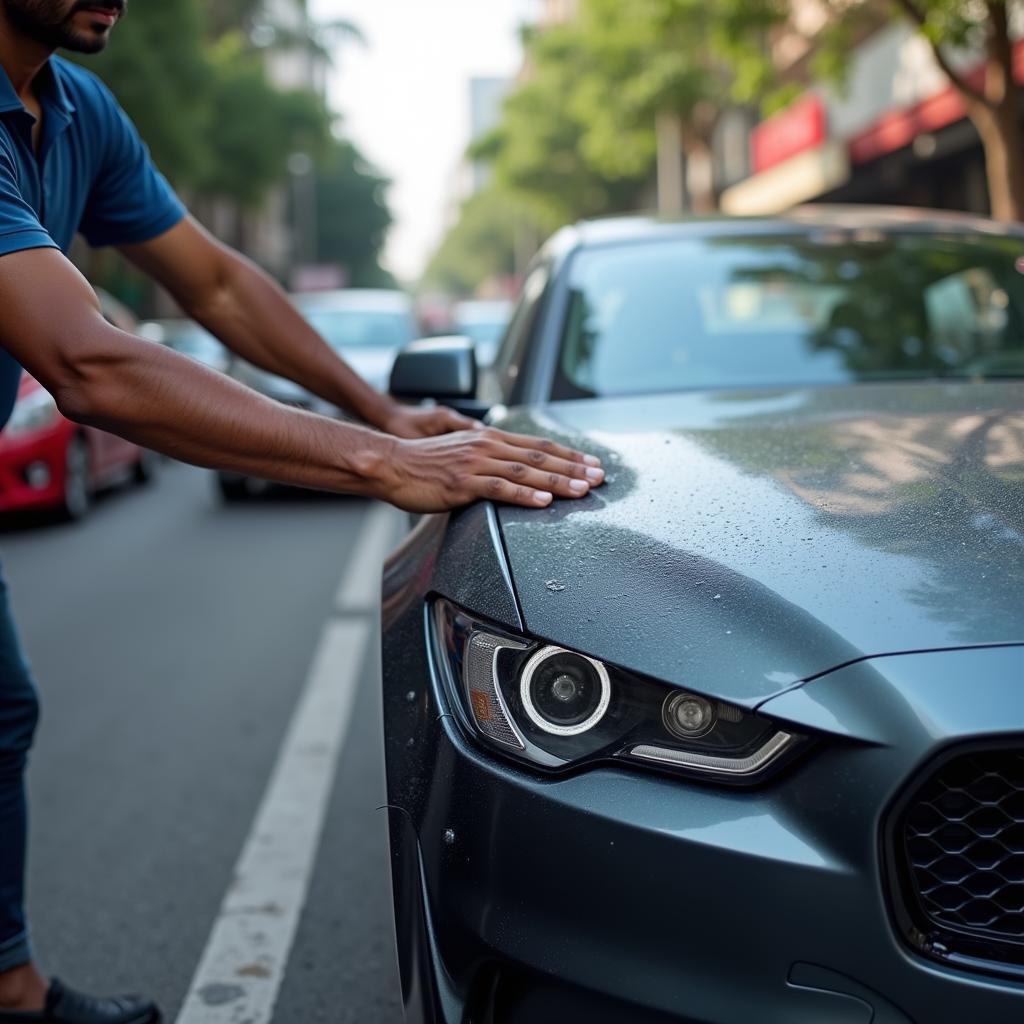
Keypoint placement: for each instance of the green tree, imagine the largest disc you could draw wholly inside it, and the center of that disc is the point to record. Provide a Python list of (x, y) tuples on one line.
[(538, 148), (582, 134), (484, 243), (994, 104), (158, 70), (666, 63), (993, 101), (257, 126), (352, 214)]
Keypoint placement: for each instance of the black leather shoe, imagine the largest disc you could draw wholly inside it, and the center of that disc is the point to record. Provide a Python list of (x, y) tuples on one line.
[(65, 1006)]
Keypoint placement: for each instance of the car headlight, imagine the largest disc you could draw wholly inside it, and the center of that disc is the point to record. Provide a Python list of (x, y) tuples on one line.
[(36, 411), (556, 708)]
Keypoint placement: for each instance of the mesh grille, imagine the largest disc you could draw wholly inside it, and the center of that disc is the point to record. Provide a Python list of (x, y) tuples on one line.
[(963, 836)]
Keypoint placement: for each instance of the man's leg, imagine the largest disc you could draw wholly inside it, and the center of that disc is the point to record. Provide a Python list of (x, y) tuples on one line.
[(20, 985), (24, 994)]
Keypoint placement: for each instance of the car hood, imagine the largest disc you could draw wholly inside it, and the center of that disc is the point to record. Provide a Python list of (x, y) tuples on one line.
[(746, 541)]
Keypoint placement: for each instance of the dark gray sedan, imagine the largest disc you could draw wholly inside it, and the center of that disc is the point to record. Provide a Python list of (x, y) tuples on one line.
[(739, 737)]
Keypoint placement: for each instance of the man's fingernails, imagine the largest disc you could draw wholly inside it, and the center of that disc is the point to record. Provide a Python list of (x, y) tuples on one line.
[(579, 486), (542, 497), (591, 460), (595, 475)]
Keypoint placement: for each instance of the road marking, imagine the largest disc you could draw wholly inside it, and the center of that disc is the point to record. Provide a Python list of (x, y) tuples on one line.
[(244, 962), (359, 590)]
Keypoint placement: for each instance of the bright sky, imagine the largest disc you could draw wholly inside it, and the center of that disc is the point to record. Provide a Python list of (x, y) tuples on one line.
[(405, 98)]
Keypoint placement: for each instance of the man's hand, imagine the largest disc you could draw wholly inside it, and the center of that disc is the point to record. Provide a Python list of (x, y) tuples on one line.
[(411, 422), (438, 473)]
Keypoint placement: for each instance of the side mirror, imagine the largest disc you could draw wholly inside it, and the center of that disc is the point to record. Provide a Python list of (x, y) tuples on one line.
[(442, 368)]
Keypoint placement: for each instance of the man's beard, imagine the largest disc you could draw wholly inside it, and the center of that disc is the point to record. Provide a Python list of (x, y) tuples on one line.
[(49, 22)]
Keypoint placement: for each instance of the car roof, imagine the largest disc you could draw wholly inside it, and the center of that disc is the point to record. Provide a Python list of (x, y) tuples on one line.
[(801, 219), (376, 300)]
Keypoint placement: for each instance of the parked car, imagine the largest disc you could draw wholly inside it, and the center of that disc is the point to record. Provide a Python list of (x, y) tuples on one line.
[(368, 327), (484, 322), (49, 463), (190, 339), (740, 736)]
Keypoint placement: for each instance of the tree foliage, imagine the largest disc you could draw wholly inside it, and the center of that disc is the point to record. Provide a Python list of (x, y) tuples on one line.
[(157, 67), (257, 126), (192, 75), (578, 138), (482, 245), (994, 103), (539, 149), (352, 214)]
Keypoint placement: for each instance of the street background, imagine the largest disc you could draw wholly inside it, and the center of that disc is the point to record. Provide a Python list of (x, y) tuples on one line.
[(171, 638), (429, 149)]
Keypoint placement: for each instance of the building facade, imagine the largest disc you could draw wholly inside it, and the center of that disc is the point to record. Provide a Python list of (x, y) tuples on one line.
[(898, 132)]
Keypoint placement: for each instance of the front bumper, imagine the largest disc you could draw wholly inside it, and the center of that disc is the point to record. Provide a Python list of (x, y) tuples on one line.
[(617, 895)]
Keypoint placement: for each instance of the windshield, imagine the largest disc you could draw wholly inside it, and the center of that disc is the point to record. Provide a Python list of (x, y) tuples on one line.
[(778, 311), (359, 328)]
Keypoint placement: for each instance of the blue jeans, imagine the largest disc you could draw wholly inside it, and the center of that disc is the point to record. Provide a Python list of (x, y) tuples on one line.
[(19, 712)]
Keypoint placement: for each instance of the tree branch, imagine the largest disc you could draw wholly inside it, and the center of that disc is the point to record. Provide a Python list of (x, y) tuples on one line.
[(917, 16)]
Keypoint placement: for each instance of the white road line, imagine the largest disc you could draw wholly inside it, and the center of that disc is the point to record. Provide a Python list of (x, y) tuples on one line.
[(359, 590), (244, 962)]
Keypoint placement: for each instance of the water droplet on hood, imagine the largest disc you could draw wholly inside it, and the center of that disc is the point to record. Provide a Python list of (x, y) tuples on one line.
[(555, 586)]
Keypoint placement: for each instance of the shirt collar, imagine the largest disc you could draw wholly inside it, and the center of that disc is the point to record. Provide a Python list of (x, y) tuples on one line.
[(52, 93)]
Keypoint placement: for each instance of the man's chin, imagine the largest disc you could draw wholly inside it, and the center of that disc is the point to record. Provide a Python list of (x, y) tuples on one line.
[(86, 42)]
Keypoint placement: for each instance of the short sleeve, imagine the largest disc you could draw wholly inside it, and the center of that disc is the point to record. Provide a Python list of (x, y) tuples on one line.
[(131, 201), (19, 226)]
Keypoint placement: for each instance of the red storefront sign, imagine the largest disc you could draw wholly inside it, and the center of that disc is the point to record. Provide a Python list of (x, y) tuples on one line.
[(801, 126)]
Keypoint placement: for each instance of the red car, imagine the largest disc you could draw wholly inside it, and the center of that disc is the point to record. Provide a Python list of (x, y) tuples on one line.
[(48, 462)]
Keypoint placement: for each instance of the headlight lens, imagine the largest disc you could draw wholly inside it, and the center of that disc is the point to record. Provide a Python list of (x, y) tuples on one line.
[(556, 708), (33, 412)]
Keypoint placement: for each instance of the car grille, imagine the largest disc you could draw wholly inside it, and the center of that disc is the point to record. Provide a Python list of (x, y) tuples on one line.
[(962, 838)]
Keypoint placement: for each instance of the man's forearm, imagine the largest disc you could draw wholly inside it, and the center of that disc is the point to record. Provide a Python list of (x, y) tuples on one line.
[(249, 312), (164, 401), (53, 326)]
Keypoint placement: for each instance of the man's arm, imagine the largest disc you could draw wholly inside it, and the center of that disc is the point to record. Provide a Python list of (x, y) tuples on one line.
[(51, 323), (243, 307)]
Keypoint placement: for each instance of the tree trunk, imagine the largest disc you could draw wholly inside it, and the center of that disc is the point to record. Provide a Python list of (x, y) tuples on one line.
[(995, 109), (671, 184), (998, 119), (1003, 142)]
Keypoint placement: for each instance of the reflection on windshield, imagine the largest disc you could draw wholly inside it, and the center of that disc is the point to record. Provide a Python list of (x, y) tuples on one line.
[(779, 311), (351, 328)]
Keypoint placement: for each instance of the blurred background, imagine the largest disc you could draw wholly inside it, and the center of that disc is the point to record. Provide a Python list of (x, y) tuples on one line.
[(367, 142), (395, 164)]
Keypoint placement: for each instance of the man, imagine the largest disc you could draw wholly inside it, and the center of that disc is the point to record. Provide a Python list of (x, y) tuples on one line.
[(71, 161)]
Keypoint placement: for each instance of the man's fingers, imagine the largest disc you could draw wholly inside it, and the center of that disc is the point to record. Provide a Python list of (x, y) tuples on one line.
[(524, 475), (537, 459), (544, 445), (494, 488), (452, 421)]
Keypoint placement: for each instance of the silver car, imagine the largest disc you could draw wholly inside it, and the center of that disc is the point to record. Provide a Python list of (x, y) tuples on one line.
[(367, 327)]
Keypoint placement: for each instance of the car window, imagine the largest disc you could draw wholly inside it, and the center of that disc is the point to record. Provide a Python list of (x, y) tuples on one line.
[(357, 328), (780, 311), (499, 385)]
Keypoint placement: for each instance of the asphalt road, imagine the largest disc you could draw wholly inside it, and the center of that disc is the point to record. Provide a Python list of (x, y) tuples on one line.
[(171, 637)]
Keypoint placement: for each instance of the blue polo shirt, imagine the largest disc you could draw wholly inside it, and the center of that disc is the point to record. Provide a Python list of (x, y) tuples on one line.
[(92, 174)]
